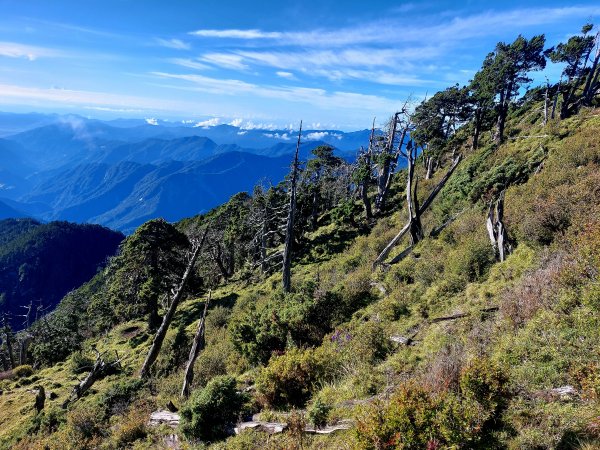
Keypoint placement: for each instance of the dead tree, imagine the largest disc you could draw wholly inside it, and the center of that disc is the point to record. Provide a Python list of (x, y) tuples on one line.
[(387, 158), (99, 369), (159, 337), (415, 213), (197, 346), (496, 229), (429, 167), (546, 102), (289, 230)]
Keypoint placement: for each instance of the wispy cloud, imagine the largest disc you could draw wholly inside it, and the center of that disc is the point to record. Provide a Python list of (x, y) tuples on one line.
[(238, 34), (356, 64), (89, 99), (177, 44), (225, 60), (283, 74), (189, 63), (15, 50), (317, 97), (396, 29)]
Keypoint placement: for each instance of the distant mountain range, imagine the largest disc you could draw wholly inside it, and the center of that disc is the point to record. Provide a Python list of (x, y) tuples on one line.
[(123, 172)]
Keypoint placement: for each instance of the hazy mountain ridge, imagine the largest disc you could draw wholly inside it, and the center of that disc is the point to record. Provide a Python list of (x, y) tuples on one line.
[(122, 172)]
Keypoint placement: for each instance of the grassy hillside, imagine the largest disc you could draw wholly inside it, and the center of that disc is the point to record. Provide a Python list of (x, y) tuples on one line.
[(449, 348)]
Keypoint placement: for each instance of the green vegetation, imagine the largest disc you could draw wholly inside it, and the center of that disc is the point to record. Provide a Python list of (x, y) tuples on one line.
[(442, 346)]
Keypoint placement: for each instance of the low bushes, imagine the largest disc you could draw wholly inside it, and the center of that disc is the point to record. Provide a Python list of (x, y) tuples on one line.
[(289, 379), (211, 410), (415, 417)]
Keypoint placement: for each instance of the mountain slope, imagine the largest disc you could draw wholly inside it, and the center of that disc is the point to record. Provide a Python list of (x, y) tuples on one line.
[(40, 263), (494, 354)]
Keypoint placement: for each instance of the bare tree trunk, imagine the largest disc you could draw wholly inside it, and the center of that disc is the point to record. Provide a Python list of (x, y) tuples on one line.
[(98, 369), (364, 195), (546, 103), (429, 172), (477, 131), (197, 346), (263, 243), (289, 235), (422, 208), (501, 122), (159, 337), (496, 229), (414, 218), (383, 173)]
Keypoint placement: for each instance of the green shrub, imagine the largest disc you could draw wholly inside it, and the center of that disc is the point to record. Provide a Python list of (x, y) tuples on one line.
[(209, 411), (408, 421), (485, 382), (80, 362), (289, 379), (318, 413), (85, 422), (22, 371), (472, 259), (119, 396), (415, 418), (175, 352)]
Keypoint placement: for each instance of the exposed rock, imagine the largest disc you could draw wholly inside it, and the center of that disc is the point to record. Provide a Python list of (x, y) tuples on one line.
[(564, 392), (161, 417), (402, 340)]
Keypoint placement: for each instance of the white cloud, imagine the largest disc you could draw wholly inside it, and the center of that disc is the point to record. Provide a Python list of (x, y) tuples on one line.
[(237, 34), (282, 136), (249, 125), (287, 75), (208, 123), (34, 96), (14, 50), (355, 64), (176, 44), (314, 96), (319, 135), (117, 110), (189, 63), (396, 29), (225, 60), (152, 121)]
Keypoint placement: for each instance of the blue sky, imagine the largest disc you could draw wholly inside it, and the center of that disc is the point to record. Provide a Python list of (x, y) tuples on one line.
[(334, 64)]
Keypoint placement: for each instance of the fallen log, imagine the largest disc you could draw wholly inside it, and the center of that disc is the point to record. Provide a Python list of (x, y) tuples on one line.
[(280, 427), (461, 315)]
